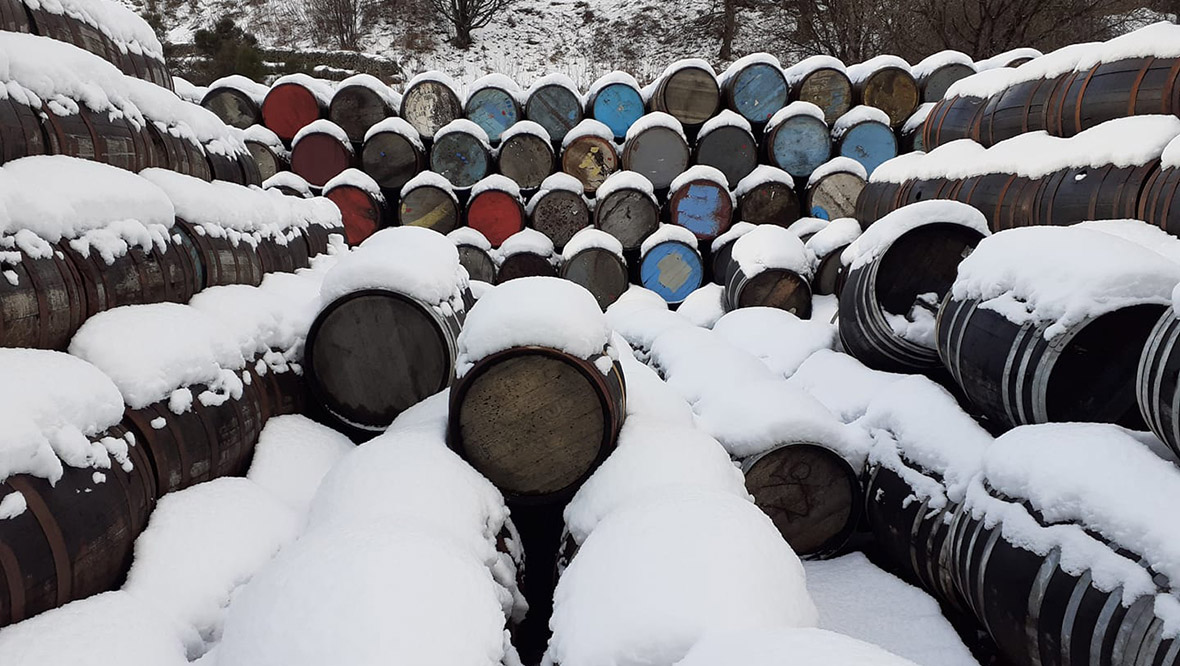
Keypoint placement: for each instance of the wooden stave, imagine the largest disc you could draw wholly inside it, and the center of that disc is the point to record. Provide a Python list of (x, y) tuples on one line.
[(673, 85), (1082, 101), (21, 131), (836, 102), (935, 83), (876, 200), (742, 290), (42, 283), (1159, 202), (319, 157), (14, 17), (603, 216), (1104, 193), (374, 160), (510, 110), (478, 263), (558, 115), (440, 106), (268, 161), (538, 163), (830, 274), (137, 277), (811, 125), (953, 118), (1019, 109), (867, 91), (224, 262)]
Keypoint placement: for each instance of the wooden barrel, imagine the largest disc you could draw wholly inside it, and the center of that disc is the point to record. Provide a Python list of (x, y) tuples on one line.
[(21, 133), (554, 105), (1014, 376), (492, 105), (767, 200), (876, 200), (755, 88), (772, 288), (1005, 200), (251, 174), (319, 237), (268, 159), (921, 261), (71, 135), (721, 250), (223, 261), (951, 119), (429, 103), (797, 140), (603, 273), (811, 493), (292, 104), (866, 139), (496, 214), (461, 155), (280, 393), (830, 274), (701, 203), (891, 89), (559, 214), (321, 152), (827, 87), (360, 102), (14, 17), (729, 147), (1156, 381), (233, 167), (363, 209), (524, 264), (1104, 193), (656, 150), (234, 105), (75, 539), (924, 189), (479, 264), (373, 353), (429, 204), (526, 155), (285, 253), (536, 421), (672, 269), (1110, 90), (137, 277), (590, 156), (44, 305), (392, 154), (1019, 109), (688, 91), (179, 155), (616, 102), (122, 144), (834, 193), (1159, 203), (626, 212), (935, 82)]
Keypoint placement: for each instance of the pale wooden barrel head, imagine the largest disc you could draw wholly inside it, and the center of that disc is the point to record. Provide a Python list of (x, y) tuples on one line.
[(429, 105), (834, 196), (690, 95), (591, 160)]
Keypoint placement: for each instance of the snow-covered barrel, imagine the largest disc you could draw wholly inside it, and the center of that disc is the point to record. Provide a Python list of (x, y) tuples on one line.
[(320, 152), (626, 208), (14, 17), (234, 165), (559, 209), (721, 249), (727, 143), (877, 199), (363, 207), (164, 270), (594, 260), (797, 139), (1014, 109), (294, 102), (699, 200), (360, 102), (657, 149), (755, 87), (493, 104), (614, 100), (475, 254), (769, 267), (1035, 330), (538, 401), (1159, 202), (392, 153), (834, 188), (822, 81), (428, 200), (21, 133), (284, 252), (236, 100), (767, 196), (940, 71), (886, 83), (526, 253), (461, 153), (688, 91), (1116, 88), (42, 300), (526, 154), (953, 118), (864, 134), (1157, 385), (827, 245), (288, 184), (180, 155), (553, 102), (670, 264), (430, 102), (268, 152), (588, 153), (495, 209), (909, 137), (386, 336), (899, 271)]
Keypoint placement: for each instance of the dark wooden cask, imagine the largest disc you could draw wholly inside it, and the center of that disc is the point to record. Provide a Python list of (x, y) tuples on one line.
[(429, 203), (615, 101), (688, 91), (284, 253), (953, 118), (656, 149), (889, 87), (236, 167), (136, 277), (360, 102), (626, 211), (536, 421), (294, 102), (42, 300), (1104, 193), (755, 88), (909, 137), (590, 157), (768, 200), (1006, 200), (21, 132), (823, 82), (721, 250), (1159, 203), (461, 154), (1019, 109), (772, 288), (71, 135), (727, 146), (526, 155), (524, 264), (492, 104), (269, 158), (236, 100), (876, 200), (321, 152), (429, 103), (559, 214), (1110, 90), (14, 17), (364, 210), (222, 260), (603, 273), (479, 264), (392, 154), (180, 155), (935, 78), (554, 103)]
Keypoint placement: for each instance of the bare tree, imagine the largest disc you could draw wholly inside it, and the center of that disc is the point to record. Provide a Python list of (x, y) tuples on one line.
[(341, 21), (468, 15), (729, 10)]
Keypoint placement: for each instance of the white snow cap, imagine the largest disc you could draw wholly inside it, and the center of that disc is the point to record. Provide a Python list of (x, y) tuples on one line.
[(770, 246), (763, 173), (261, 134), (323, 126), (472, 237), (838, 164), (288, 179), (623, 180), (653, 120), (833, 236), (248, 87), (63, 76), (555, 79), (397, 126), (918, 118), (355, 178), (1139, 232), (747, 61), (778, 338), (697, 362), (992, 81), (525, 241), (588, 127), (611, 78), (429, 179), (725, 118), (1002, 59), (293, 455), (543, 311), (497, 183), (668, 233), (187, 91), (862, 71), (857, 115), (797, 108), (881, 234), (464, 126), (807, 226), (560, 181), (734, 232), (498, 81), (700, 172), (323, 90), (808, 66), (525, 127), (414, 261), (806, 647), (703, 307), (591, 238), (1060, 276), (842, 383), (935, 61), (370, 82)]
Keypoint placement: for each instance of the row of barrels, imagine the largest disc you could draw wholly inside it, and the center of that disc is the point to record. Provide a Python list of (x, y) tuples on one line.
[(76, 537)]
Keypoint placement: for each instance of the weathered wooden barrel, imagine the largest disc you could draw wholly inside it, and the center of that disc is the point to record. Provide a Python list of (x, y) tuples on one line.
[(236, 167), (94, 136), (294, 102), (594, 260), (136, 277), (461, 153), (428, 200), (925, 189), (688, 91), (797, 139), (124, 145), (828, 245), (45, 304), (223, 261), (14, 17), (864, 135), (1110, 90), (700, 201), (767, 196), (180, 155), (75, 538), (524, 263), (319, 237), (876, 200), (361, 204), (657, 149), (288, 184), (1005, 200), (280, 393), (358, 103), (1019, 109), (374, 353), (615, 101), (909, 137), (474, 254), (721, 249), (536, 421), (392, 153), (1159, 202), (559, 210), (21, 133), (895, 287), (940, 71), (588, 153), (492, 104), (284, 253), (755, 87), (495, 209), (726, 143), (885, 83), (627, 209), (71, 135), (953, 118), (321, 151), (267, 151), (833, 189), (671, 267), (1156, 381), (554, 103), (1104, 193), (822, 80), (768, 267), (430, 103), (526, 154), (810, 492), (236, 100)]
